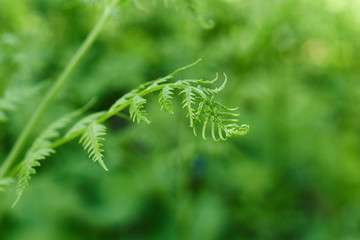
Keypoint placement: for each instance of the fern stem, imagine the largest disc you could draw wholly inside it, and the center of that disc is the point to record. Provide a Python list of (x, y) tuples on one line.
[(50, 96)]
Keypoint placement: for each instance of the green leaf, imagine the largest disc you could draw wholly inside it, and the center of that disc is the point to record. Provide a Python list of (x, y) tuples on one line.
[(91, 141), (198, 101), (136, 109), (165, 99), (189, 100)]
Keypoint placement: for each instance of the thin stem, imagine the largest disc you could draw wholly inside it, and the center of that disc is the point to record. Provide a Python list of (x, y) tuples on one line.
[(50, 96)]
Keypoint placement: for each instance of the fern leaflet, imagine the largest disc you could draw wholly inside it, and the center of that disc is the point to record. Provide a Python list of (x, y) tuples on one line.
[(189, 100), (91, 141), (165, 99), (137, 113)]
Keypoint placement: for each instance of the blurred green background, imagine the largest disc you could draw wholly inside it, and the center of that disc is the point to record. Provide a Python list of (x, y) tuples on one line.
[(293, 68)]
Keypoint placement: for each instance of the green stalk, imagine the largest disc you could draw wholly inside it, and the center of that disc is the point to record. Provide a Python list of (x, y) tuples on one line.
[(50, 96)]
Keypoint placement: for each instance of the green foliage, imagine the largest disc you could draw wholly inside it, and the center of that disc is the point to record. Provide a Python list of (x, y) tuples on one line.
[(189, 100), (92, 131), (40, 150), (165, 99), (136, 109), (195, 92), (293, 73), (91, 140)]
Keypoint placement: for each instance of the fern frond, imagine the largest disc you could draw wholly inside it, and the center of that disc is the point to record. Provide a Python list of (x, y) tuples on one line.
[(40, 149), (189, 100), (4, 182), (91, 141), (27, 166), (198, 101), (137, 113), (165, 99)]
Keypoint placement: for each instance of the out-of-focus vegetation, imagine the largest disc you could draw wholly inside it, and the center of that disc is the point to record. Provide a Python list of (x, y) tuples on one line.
[(293, 69)]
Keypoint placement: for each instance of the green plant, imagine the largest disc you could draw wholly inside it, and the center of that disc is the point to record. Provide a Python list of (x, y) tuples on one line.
[(198, 101)]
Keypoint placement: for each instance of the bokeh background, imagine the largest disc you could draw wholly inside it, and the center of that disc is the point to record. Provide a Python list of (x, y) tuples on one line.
[(293, 68)]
